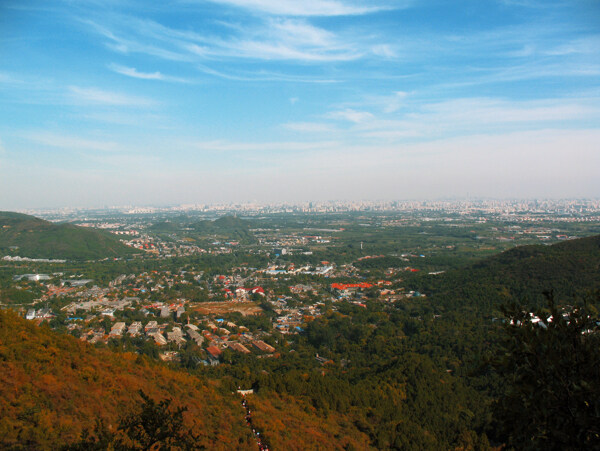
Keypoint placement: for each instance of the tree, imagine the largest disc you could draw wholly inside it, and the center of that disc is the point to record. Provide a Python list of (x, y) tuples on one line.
[(155, 426), (551, 369)]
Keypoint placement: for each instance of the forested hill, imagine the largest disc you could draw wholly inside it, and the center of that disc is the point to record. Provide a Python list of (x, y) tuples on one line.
[(569, 268), (53, 387), (229, 226), (28, 236)]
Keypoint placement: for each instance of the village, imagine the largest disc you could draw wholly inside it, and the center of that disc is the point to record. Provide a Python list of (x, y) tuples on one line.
[(246, 311)]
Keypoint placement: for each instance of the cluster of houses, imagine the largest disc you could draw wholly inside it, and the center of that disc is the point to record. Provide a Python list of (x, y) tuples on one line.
[(215, 338)]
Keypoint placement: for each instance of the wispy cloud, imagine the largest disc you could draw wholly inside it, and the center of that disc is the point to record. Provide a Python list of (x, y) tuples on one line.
[(310, 127), (134, 73), (427, 121), (294, 40), (264, 76), (270, 39), (284, 146), (69, 142), (9, 79), (351, 115), (587, 45), (96, 96), (306, 7)]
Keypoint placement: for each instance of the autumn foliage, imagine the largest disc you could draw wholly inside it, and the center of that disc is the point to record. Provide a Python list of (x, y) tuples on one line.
[(53, 388)]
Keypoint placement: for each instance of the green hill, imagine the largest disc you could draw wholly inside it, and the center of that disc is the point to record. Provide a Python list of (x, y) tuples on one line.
[(230, 227), (569, 269), (28, 236)]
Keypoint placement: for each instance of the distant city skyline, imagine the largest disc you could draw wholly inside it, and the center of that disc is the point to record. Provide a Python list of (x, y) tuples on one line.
[(205, 101)]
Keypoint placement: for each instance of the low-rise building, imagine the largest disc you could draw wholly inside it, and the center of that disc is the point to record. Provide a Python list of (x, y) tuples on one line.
[(159, 338), (194, 335), (238, 347), (117, 329), (135, 329), (262, 346), (176, 336)]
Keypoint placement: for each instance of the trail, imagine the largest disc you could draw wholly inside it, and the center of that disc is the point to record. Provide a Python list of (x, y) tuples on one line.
[(262, 446)]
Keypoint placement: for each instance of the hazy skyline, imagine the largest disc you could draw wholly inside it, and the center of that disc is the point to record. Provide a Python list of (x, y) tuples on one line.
[(138, 102)]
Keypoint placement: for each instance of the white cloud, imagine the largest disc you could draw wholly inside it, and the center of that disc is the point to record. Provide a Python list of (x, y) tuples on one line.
[(351, 115), (61, 141), (269, 39), (587, 45), (310, 127), (428, 121), (8, 78), (134, 73), (290, 146), (96, 96), (291, 39), (305, 7), (384, 50)]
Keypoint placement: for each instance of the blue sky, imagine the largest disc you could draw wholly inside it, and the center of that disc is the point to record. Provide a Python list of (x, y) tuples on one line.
[(120, 102)]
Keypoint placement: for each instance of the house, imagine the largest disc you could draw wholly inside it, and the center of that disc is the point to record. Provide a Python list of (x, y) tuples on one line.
[(159, 338), (213, 353), (262, 346), (44, 313), (165, 311), (194, 335), (176, 335), (30, 314), (238, 347), (117, 329), (134, 329)]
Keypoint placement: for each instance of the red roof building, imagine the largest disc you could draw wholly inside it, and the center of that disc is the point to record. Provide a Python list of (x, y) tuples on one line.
[(214, 351), (345, 286)]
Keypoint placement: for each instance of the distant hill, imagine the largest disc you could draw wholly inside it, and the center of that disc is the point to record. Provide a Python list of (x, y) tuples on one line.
[(569, 268), (231, 227), (28, 236), (165, 226)]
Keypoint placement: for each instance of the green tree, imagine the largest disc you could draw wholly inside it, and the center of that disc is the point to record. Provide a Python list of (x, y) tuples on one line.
[(551, 369)]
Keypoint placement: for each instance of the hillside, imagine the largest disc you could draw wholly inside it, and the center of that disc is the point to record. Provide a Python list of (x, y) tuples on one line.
[(53, 386), (568, 268), (28, 236), (230, 227)]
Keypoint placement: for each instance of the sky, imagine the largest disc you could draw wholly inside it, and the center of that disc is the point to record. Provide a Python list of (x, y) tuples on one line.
[(141, 102)]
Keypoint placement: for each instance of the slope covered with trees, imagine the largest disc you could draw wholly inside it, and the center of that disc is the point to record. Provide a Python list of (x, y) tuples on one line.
[(523, 273), (54, 390), (28, 236), (52, 387)]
